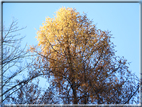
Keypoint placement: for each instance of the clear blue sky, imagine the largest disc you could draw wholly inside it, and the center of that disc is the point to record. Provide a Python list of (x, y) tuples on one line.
[(122, 19)]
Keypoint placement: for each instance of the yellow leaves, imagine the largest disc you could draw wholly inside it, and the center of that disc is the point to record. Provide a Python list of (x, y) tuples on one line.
[(32, 48), (68, 38), (76, 51), (76, 80), (83, 85), (116, 79)]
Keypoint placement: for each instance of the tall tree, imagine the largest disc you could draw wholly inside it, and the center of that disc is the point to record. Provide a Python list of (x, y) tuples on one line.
[(82, 61)]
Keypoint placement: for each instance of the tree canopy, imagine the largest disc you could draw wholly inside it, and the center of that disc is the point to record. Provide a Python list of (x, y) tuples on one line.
[(82, 62)]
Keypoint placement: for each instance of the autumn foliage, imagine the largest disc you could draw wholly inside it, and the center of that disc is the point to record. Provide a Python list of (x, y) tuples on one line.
[(82, 61)]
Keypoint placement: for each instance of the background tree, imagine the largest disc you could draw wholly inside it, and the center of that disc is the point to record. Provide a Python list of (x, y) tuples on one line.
[(14, 65), (82, 63)]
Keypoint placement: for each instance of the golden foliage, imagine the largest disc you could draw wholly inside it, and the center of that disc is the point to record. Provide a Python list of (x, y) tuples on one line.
[(79, 54)]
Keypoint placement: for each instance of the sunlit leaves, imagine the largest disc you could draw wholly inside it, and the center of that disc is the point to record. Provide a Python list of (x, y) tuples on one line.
[(81, 58)]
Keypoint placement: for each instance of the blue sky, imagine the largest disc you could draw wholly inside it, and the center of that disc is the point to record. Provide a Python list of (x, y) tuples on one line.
[(122, 19)]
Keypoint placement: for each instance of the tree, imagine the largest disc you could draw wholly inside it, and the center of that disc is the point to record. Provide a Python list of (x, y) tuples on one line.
[(14, 64), (11, 58), (82, 62), (30, 92)]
